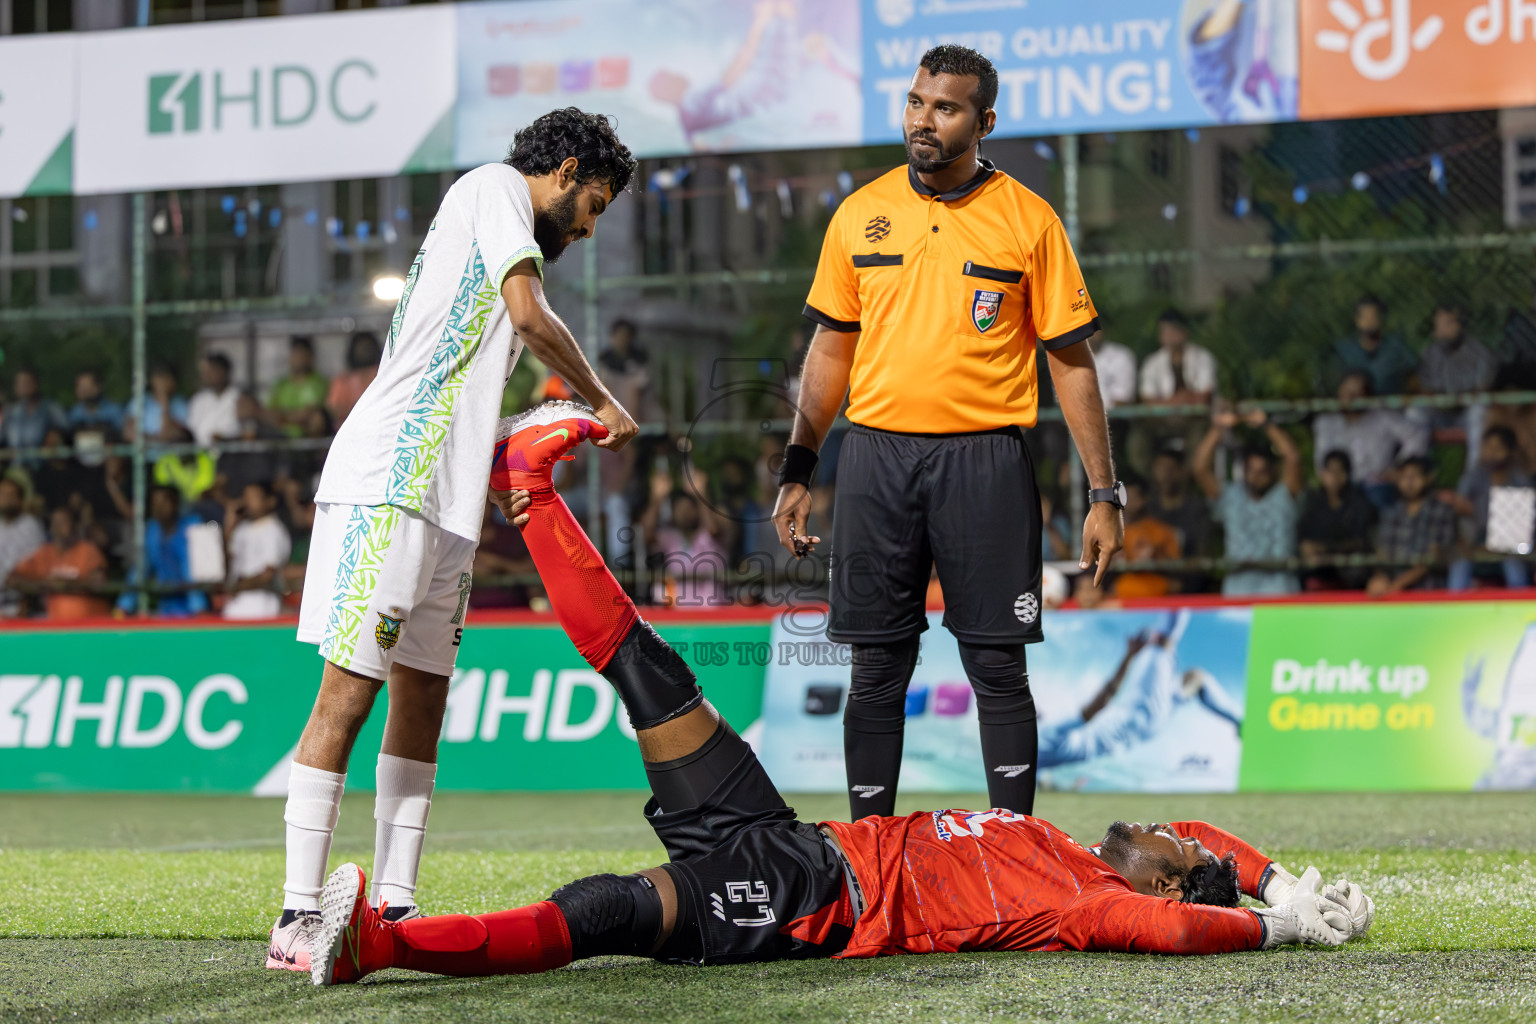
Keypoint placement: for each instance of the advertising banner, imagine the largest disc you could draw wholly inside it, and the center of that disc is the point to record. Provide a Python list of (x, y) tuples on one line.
[(266, 99), (678, 76), (1128, 701), (1407, 697), (220, 710), (1368, 57), (37, 114), (1093, 65)]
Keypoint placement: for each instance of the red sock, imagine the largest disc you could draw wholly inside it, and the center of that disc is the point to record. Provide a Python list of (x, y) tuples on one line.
[(527, 940), (593, 609)]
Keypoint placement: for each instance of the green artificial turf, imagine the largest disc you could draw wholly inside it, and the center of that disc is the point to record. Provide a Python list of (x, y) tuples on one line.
[(152, 908)]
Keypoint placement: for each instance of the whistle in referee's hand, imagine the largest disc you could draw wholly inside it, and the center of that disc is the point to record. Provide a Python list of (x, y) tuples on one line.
[(802, 546)]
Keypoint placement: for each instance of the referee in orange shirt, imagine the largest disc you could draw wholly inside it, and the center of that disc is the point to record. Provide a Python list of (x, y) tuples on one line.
[(934, 283)]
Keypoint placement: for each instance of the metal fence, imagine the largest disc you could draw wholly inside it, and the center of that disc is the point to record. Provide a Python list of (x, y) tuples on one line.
[(1265, 236)]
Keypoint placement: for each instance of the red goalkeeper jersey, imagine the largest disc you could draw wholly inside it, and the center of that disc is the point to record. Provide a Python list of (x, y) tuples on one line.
[(949, 881)]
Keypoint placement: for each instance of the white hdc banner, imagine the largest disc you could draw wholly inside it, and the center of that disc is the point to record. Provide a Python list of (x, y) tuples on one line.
[(316, 97)]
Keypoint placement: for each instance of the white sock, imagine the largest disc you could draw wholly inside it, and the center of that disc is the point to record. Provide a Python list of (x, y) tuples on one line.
[(314, 803), (400, 809)]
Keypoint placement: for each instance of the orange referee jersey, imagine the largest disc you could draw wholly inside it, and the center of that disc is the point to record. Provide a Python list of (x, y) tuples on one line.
[(949, 292)]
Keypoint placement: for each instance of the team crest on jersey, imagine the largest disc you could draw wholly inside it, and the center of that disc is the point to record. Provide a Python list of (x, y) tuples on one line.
[(877, 228), (984, 309), (387, 632)]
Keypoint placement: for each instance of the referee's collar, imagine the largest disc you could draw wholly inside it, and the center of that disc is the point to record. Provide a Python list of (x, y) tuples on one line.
[(980, 179)]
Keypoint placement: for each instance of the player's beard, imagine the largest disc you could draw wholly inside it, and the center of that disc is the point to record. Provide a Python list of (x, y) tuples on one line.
[(1118, 846), (929, 164), (553, 226)]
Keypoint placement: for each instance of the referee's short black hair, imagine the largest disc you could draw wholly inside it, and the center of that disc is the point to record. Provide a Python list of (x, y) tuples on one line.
[(952, 59), (544, 145)]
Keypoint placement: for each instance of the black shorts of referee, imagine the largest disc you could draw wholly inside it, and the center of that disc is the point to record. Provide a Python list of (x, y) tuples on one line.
[(907, 503)]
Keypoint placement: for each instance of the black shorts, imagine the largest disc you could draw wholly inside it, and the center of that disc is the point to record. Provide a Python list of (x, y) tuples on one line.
[(748, 869), (966, 503)]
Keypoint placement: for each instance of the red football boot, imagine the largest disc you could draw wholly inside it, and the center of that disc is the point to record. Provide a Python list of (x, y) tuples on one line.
[(354, 940), (529, 444)]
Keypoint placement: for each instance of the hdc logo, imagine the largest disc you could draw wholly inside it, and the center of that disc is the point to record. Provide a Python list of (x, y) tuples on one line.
[(283, 96)]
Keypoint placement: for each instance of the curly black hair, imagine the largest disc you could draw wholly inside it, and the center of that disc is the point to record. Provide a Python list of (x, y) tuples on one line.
[(952, 59), (1213, 883), (544, 145)]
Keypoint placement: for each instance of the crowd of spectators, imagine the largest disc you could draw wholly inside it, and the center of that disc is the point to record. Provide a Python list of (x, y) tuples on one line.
[(1361, 497), (1364, 498), (225, 526)]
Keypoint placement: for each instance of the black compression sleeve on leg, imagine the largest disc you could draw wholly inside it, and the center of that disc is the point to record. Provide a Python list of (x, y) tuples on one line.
[(652, 680), (610, 915), (873, 724), (1010, 738), (686, 943), (683, 784)]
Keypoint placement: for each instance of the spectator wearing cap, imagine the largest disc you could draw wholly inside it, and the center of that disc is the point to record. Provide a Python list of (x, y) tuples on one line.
[(363, 354), (20, 535), (30, 416), (1337, 518), (93, 411), (1258, 512), (1179, 372), (1375, 439), (1498, 465), (1389, 361), (1417, 528), (213, 414), (304, 389), (67, 565)]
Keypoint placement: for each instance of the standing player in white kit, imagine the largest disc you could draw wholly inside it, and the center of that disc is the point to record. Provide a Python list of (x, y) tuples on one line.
[(402, 495)]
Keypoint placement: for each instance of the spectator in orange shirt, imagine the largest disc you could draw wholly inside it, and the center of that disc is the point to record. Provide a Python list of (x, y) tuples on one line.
[(363, 356), (1145, 537), (66, 561)]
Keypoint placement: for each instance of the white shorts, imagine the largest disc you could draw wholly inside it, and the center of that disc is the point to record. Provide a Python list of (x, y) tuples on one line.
[(384, 585)]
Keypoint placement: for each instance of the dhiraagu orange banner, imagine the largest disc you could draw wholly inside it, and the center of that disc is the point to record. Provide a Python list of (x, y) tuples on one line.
[(1400, 696), (1361, 58)]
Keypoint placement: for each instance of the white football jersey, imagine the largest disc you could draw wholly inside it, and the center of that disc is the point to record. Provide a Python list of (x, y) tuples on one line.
[(422, 434)]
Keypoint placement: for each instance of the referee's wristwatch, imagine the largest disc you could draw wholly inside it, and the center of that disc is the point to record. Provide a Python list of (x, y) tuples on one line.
[(1115, 495)]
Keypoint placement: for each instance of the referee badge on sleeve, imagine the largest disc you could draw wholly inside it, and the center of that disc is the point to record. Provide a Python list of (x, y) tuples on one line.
[(984, 309)]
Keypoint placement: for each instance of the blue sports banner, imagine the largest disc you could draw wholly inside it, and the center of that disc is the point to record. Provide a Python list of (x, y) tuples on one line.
[(679, 76), (1094, 65), (1129, 701)]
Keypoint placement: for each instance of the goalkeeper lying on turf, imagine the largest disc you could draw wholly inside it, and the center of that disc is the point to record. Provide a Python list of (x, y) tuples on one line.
[(746, 881)]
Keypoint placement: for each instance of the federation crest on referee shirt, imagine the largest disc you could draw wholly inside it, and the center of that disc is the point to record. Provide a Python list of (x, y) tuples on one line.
[(984, 309), (387, 632)]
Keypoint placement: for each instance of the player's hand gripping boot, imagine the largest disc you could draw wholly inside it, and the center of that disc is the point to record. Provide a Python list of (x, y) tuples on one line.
[(529, 444), (354, 940)]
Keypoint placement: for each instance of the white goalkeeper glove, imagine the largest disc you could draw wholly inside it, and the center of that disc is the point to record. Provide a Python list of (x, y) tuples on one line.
[(1309, 917), (1357, 906), (1278, 889)]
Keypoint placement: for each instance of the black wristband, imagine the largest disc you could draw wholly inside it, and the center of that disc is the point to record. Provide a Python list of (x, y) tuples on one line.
[(799, 466)]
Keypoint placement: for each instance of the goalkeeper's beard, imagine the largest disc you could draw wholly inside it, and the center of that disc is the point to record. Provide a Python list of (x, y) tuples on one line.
[(1119, 845)]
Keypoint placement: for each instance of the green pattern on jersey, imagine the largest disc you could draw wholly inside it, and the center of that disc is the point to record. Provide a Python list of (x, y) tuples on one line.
[(405, 297), (369, 532), (424, 428)]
